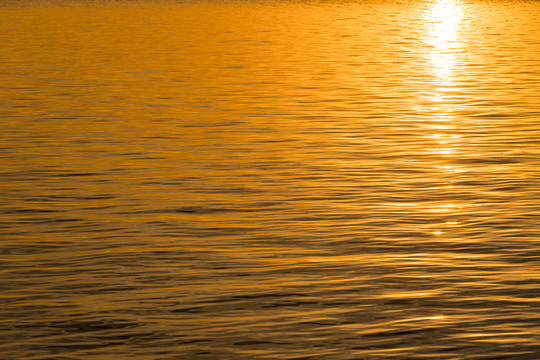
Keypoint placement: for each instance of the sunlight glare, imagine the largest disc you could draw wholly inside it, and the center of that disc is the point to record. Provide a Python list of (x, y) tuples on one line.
[(445, 16)]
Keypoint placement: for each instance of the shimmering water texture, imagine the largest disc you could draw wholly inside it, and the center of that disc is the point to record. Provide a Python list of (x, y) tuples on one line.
[(275, 180)]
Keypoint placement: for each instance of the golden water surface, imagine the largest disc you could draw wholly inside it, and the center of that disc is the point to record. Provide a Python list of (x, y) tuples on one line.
[(322, 180)]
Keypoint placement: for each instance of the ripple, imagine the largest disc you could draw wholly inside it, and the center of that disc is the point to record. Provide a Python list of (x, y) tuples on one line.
[(284, 180)]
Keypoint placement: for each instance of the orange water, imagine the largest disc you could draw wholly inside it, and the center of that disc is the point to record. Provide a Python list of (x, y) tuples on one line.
[(270, 180)]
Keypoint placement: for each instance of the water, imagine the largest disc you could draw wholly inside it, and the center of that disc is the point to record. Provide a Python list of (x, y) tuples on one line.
[(270, 180)]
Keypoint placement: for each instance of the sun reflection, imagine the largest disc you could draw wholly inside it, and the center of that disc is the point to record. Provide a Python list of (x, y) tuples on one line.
[(439, 107), (444, 207), (445, 17)]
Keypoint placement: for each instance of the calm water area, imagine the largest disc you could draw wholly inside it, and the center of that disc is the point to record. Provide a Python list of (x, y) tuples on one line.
[(315, 180)]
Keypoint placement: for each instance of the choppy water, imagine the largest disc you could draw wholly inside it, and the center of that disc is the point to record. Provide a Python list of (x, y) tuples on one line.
[(270, 180)]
